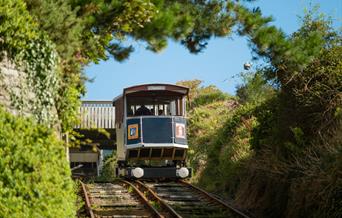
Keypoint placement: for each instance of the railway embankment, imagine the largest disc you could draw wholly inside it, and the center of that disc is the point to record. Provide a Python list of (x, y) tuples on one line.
[(278, 152)]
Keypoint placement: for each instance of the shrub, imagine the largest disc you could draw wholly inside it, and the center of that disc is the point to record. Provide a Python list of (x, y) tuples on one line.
[(108, 170), (34, 175)]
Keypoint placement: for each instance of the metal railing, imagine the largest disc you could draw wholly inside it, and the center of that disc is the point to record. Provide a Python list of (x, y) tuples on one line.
[(97, 114)]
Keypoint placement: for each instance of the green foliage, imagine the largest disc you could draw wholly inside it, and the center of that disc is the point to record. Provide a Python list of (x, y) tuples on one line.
[(34, 174), (298, 138), (106, 23), (108, 170)]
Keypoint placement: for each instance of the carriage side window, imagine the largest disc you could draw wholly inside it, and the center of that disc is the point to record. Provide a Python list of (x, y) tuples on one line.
[(172, 108), (143, 110), (130, 111), (162, 110), (176, 107)]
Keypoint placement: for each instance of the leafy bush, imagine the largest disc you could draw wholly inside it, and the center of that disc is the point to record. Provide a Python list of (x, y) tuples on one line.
[(108, 170), (34, 175)]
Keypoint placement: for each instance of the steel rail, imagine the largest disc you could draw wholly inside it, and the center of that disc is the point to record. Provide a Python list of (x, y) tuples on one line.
[(87, 201), (166, 206), (145, 200), (213, 198)]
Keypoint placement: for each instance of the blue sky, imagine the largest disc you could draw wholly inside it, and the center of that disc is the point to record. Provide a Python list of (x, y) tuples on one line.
[(217, 65)]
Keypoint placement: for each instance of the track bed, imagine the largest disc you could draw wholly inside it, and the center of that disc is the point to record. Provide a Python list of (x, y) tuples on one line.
[(142, 199)]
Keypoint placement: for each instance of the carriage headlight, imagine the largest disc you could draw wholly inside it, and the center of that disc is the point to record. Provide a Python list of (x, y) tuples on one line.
[(183, 172), (138, 172)]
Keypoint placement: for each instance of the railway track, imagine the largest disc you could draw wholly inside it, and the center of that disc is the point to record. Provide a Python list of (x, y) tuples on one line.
[(154, 199), (119, 200)]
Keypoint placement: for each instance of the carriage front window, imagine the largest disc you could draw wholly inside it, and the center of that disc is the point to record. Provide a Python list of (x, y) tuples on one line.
[(155, 107)]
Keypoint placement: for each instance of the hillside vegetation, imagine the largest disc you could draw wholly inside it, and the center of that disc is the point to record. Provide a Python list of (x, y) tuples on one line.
[(278, 152)]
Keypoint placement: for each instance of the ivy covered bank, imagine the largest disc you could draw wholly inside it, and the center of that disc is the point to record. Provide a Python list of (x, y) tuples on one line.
[(34, 174)]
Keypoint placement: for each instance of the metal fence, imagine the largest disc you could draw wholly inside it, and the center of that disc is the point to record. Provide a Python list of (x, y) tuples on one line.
[(97, 114)]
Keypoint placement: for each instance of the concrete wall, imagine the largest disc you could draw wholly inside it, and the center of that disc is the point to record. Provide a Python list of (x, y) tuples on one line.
[(18, 97), (84, 157)]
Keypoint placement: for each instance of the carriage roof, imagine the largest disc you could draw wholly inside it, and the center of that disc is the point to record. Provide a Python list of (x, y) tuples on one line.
[(153, 90)]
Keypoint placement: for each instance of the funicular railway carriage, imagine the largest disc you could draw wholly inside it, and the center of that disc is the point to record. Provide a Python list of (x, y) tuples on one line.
[(151, 132)]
